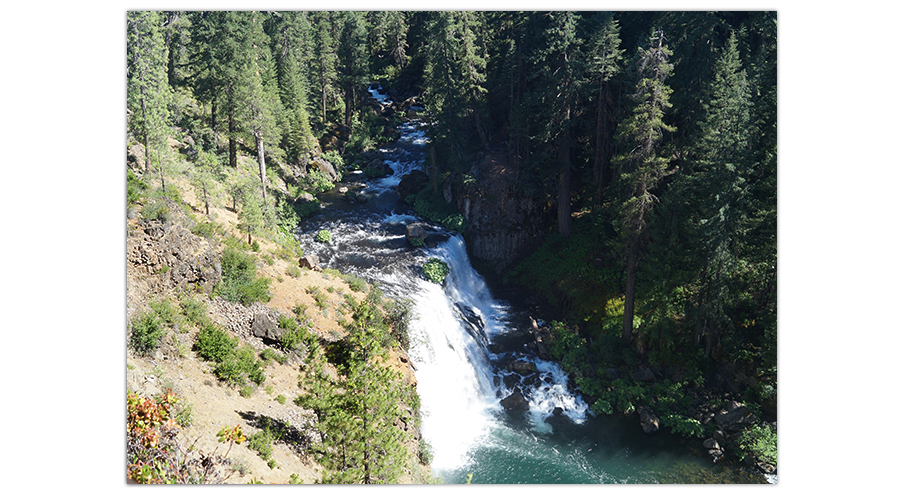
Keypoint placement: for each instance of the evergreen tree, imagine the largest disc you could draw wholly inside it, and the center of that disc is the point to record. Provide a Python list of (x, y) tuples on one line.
[(354, 63), (603, 63), (724, 165), (257, 94), (324, 70), (388, 34), (291, 35), (177, 32), (251, 217), (208, 172), (357, 411), (642, 167), (148, 91), (559, 79)]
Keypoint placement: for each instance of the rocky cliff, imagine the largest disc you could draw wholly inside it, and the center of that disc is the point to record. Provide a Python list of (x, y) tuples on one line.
[(503, 222)]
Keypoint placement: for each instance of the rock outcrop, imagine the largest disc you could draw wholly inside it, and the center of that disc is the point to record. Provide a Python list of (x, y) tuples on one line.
[(503, 221), (174, 256)]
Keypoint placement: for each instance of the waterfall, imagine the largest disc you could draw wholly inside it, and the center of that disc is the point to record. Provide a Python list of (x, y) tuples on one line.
[(469, 348)]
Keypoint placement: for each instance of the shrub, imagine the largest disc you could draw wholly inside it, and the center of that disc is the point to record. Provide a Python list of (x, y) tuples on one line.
[(205, 229), (294, 335), (165, 310), (239, 281), (194, 310), (680, 424), (240, 366), (436, 270), (146, 332), (294, 271), (135, 188), (334, 158), (156, 211), (269, 355), (760, 441), (214, 344), (323, 236), (261, 442)]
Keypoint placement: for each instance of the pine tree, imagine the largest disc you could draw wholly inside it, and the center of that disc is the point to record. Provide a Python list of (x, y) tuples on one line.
[(251, 217), (603, 63), (642, 167), (724, 165), (357, 410), (291, 35), (148, 91), (258, 95), (559, 80), (354, 63), (324, 73)]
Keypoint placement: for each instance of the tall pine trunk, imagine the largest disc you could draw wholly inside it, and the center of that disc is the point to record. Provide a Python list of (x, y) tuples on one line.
[(630, 282), (564, 201), (261, 157), (232, 142), (212, 124)]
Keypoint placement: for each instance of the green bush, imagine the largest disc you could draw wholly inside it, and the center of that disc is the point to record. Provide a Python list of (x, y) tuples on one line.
[(436, 270), (135, 188), (166, 311), (240, 366), (261, 442), (194, 310), (685, 426), (146, 332), (239, 281), (206, 229), (293, 270), (334, 158), (323, 236), (156, 210), (214, 344), (295, 336), (760, 441), (270, 355)]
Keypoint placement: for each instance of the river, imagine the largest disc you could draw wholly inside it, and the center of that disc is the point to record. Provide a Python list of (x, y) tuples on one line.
[(461, 380)]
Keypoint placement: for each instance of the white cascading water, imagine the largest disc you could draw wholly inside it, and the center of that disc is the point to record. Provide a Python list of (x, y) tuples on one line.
[(456, 379)]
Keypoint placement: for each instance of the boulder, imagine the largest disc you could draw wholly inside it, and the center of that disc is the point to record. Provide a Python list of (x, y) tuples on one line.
[(412, 183), (734, 416), (515, 403), (310, 262), (643, 374), (416, 233), (325, 167), (711, 444), (305, 197), (522, 367), (265, 328), (649, 420)]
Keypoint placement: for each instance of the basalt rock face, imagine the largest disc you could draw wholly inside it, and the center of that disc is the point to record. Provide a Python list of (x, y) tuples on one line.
[(173, 256), (502, 221)]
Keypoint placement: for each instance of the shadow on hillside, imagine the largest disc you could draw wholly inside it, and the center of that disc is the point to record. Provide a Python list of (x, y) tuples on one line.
[(283, 432)]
